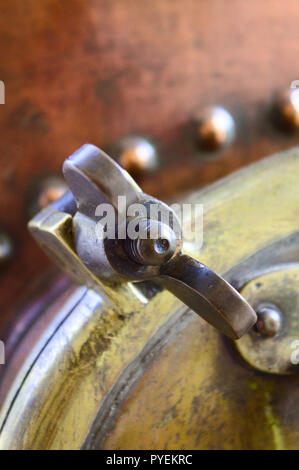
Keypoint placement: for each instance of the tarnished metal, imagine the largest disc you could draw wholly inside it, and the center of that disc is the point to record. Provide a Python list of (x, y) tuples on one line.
[(95, 179), (204, 291), (117, 355), (6, 249), (43, 192), (153, 251), (215, 128)]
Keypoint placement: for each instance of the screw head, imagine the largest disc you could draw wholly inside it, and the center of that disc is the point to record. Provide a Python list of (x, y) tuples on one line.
[(269, 320), (215, 128)]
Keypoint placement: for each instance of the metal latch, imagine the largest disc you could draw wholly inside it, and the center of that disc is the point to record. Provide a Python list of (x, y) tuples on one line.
[(153, 252)]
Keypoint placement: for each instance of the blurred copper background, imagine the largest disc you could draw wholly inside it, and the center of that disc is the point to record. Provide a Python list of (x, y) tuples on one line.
[(99, 70)]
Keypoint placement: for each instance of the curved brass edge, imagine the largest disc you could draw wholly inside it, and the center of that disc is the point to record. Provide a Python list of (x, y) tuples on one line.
[(61, 395), (130, 376)]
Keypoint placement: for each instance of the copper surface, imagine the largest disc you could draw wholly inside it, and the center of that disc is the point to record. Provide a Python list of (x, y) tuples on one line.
[(98, 70)]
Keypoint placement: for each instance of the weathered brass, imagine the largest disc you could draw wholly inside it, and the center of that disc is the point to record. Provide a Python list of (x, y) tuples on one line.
[(274, 354), (123, 370), (95, 179)]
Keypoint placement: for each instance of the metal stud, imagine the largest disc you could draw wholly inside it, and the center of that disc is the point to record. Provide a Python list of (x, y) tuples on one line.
[(286, 109), (269, 320), (215, 128), (136, 154), (6, 248)]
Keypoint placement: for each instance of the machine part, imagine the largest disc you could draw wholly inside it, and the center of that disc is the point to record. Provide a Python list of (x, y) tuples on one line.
[(206, 292), (215, 128), (152, 86), (110, 358), (95, 179), (269, 346)]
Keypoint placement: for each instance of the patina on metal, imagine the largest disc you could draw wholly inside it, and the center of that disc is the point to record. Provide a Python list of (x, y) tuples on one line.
[(136, 154), (121, 370), (269, 320), (94, 178)]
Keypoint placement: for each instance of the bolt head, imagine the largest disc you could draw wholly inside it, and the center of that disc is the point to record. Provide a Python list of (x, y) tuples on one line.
[(136, 155), (269, 320)]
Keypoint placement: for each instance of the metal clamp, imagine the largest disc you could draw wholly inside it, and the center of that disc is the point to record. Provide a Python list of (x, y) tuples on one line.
[(96, 180)]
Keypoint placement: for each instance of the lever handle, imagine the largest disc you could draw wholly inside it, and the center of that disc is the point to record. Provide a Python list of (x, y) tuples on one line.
[(209, 295)]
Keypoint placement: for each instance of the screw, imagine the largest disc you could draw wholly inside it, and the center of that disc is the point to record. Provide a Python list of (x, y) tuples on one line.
[(215, 128), (269, 320), (155, 244), (286, 109)]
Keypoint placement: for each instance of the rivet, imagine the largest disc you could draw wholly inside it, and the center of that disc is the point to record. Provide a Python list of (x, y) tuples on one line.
[(286, 109), (269, 320), (136, 155), (45, 191), (6, 248), (215, 128)]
